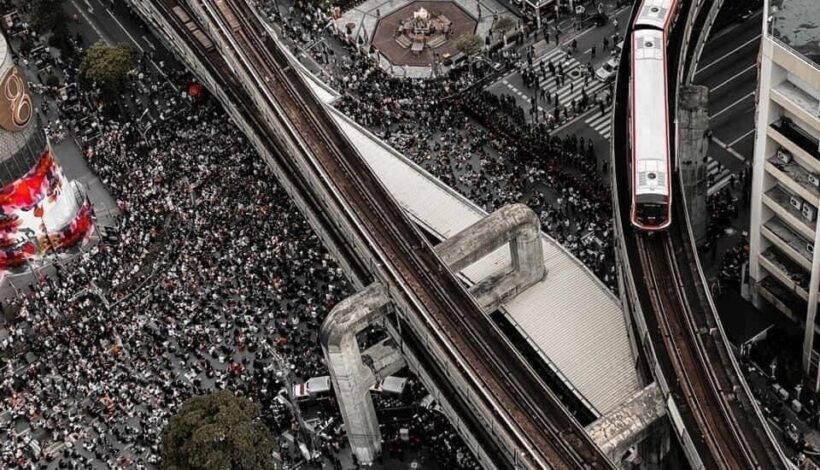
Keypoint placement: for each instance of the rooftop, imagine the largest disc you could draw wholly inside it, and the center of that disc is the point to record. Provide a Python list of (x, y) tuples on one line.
[(570, 318), (797, 23)]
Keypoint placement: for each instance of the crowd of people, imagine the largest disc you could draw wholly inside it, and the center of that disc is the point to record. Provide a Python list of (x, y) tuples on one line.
[(211, 275), (477, 143), (211, 279)]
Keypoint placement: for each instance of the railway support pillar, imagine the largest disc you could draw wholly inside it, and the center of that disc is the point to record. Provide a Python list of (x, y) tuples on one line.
[(516, 225), (636, 422), (351, 378), (693, 145)]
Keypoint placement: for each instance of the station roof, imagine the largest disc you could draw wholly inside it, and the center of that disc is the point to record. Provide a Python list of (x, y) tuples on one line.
[(573, 321), (797, 23)]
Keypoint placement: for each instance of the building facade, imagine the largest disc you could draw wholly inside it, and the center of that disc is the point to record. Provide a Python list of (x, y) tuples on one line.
[(41, 212), (784, 262)]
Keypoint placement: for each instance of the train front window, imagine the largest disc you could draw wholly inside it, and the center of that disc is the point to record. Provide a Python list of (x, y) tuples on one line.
[(651, 212)]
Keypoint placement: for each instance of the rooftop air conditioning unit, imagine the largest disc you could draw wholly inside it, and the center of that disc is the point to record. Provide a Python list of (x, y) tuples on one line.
[(810, 248), (809, 212), (784, 156), (814, 180), (796, 202)]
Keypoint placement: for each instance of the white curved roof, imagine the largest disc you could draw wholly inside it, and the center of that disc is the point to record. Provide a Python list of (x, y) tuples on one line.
[(573, 321)]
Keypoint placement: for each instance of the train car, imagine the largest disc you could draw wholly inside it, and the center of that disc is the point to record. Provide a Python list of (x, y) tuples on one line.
[(657, 14), (649, 128)]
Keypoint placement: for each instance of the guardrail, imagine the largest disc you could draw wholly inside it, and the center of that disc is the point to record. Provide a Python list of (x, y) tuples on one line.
[(563, 436), (701, 444)]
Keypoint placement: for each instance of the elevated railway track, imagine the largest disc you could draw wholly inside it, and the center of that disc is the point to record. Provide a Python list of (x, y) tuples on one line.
[(712, 410), (535, 429)]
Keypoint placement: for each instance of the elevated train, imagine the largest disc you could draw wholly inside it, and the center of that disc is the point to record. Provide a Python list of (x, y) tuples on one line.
[(652, 160)]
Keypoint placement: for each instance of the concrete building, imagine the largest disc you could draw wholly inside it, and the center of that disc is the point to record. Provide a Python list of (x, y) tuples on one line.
[(784, 263), (41, 211)]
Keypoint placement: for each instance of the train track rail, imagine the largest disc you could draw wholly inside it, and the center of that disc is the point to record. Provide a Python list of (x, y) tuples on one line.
[(714, 414), (699, 386), (545, 433)]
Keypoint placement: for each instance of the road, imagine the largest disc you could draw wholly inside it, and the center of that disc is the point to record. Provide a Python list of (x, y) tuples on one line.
[(113, 23), (512, 83), (728, 67)]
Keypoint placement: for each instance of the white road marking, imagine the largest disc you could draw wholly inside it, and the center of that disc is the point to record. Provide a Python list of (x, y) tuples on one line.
[(728, 149), (751, 93), (125, 30), (719, 59), (90, 8), (734, 142), (600, 123), (88, 20), (751, 67), (148, 41)]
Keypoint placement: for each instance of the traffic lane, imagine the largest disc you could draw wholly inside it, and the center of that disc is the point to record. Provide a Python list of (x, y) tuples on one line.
[(730, 90), (726, 157), (728, 39), (740, 52), (734, 121), (107, 26), (726, 83), (737, 65)]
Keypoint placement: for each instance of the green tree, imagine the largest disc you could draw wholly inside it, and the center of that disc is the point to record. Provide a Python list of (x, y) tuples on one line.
[(504, 25), (48, 15), (215, 432), (107, 66), (469, 44)]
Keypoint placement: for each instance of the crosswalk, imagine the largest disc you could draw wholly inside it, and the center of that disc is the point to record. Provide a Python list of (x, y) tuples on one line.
[(572, 87), (600, 123), (719, 176)]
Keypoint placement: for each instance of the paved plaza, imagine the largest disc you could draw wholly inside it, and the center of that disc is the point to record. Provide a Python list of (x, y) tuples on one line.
[(375, 22)]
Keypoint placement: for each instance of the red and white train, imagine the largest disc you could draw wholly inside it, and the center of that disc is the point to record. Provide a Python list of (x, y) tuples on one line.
[(652, 162)]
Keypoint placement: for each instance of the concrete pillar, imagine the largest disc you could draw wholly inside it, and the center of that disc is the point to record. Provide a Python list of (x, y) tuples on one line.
[(633, 422), (516, 225), (351, 378), (693, 145), (354, 372)]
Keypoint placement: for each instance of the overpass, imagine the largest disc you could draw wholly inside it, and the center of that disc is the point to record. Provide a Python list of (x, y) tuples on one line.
[(713, 413), (506, 407), (496, 404)]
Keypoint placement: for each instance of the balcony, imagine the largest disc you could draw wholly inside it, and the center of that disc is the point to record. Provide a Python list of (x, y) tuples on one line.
[(801, 156), (791, 277), (799, 136), (798, 102), (777, 199), (795, 178), (783, 299), (789, 242)]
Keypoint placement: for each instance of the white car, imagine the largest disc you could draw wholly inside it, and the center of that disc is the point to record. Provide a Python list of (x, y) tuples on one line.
[(313, 388), (606, 72), (391, 384)]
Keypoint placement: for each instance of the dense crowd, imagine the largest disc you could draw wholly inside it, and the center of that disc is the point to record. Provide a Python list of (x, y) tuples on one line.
[(210, 280), (473, 142), (212, 276)]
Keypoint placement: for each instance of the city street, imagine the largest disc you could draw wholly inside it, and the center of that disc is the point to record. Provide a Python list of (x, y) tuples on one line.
[(513, 82), (728, 67), (113, 23)]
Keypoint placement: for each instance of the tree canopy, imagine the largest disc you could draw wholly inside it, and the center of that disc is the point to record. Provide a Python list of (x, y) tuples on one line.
[(107, 66), (215, 432), (469, 44), (48, 15)]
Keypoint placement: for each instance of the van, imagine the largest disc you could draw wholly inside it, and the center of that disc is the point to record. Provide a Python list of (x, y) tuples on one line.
[(312, 388), (391, 385)]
